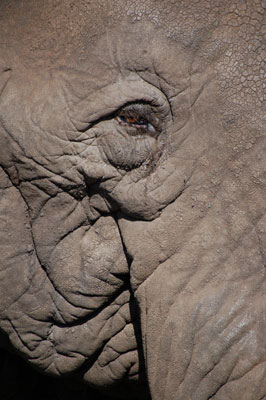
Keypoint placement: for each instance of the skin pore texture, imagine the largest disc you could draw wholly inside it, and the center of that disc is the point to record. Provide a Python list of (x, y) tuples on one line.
[(132, 199)]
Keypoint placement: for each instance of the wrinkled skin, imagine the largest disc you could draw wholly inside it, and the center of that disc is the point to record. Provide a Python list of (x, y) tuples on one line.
[(134, 250)]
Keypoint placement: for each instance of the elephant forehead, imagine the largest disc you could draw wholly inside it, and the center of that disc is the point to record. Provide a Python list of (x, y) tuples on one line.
[(59, 27)]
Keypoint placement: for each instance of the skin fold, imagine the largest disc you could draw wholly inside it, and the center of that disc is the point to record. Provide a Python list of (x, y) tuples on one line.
[(132, 198)]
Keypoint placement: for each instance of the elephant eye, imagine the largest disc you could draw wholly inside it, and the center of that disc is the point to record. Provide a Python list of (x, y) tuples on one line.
[(138, 117), (132, 120)]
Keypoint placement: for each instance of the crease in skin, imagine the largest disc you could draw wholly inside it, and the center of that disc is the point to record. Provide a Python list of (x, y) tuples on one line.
[(224, 313), (189, 228), (38, 162), (99, 336), (193, 368), (33, 240), (8, 132), (40, 263), (49, 368), (129, 90), (161, 88), (262, 252), (5, 76), (170, 258), (221, 381), (116, 353)]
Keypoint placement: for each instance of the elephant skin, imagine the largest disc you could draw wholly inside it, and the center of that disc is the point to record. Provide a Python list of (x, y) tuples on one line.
[(132, 195)]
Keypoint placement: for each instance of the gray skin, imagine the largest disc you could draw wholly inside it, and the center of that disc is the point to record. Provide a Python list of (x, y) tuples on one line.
[(135, 245)]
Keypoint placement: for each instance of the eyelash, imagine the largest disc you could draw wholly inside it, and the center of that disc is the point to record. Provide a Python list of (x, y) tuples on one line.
[(133, 119), (142, 125)]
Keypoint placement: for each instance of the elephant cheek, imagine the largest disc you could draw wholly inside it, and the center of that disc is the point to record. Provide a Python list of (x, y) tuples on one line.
[(88, 265)]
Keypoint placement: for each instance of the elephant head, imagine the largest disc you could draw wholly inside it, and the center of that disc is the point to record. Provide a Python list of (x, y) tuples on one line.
[(132, 202)]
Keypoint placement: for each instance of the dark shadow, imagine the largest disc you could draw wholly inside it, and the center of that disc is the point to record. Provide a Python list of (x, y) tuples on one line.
[(135, 317), (19, 381)]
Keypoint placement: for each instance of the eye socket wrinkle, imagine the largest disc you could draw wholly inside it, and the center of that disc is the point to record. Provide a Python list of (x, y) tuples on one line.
[(138, 116)]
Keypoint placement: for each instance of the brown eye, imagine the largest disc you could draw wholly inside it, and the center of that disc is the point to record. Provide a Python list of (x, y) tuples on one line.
[(138, 117), (132, 120)]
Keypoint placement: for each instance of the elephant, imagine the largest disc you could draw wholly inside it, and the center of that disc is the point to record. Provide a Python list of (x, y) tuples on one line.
[(132, 197)]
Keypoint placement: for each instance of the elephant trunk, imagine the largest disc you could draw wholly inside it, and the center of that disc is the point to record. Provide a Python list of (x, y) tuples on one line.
[(201, 293)]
